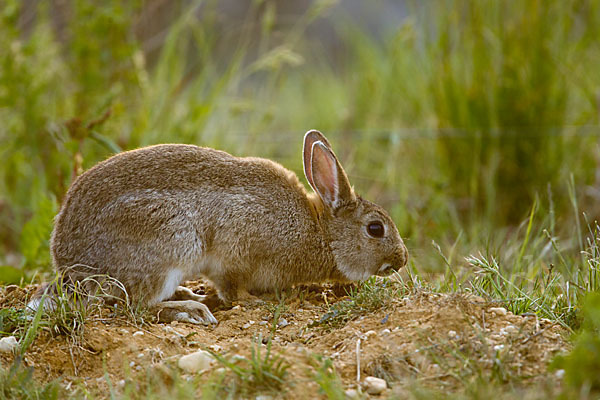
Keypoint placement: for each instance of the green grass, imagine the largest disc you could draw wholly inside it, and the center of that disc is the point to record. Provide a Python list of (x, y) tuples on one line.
[(369, 296), (329, 382), (261, 373), (16, 382)]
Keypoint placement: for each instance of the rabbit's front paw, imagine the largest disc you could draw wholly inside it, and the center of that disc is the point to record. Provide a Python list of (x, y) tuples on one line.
[(190, 311)]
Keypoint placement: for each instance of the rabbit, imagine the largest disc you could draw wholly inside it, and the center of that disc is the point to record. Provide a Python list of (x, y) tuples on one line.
[(157, 216)]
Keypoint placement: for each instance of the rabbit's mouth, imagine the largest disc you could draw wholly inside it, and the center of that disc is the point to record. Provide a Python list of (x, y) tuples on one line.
[(386, 269)]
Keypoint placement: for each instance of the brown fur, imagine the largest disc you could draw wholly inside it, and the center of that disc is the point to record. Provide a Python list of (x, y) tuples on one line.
[(159, 215)]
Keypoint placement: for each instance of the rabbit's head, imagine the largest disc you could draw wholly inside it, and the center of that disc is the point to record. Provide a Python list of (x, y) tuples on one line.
[(361, 234)]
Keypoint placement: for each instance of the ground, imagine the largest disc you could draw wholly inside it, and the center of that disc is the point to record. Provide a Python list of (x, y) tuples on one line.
[(327, 339)]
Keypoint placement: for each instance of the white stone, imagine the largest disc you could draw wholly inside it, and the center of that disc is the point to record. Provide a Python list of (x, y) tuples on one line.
[(195, 362), (498, 310), (138, 333), (451, 334), (215, 347), (499, 347), (510, 330), (374, 385), (351, 394), (559, 374), (264, 397), (282, 323), (385, 331), (370, 333), (8, 344)]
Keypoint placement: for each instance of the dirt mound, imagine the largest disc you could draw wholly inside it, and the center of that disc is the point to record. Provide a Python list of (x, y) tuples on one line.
[(435, 339)]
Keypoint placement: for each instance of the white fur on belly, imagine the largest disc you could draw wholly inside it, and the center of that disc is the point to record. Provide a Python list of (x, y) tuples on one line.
[(49, 304), (173, 279)]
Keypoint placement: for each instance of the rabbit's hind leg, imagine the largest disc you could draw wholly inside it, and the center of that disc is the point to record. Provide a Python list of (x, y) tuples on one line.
[(190, 311)]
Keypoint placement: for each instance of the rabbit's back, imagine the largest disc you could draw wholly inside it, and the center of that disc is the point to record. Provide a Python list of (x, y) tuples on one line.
[(171, 212)]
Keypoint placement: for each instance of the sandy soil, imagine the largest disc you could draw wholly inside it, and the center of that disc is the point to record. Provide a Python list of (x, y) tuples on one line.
[(433, 339)]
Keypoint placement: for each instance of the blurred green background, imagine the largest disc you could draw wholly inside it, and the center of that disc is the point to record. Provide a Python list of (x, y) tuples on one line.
[(475, 124)]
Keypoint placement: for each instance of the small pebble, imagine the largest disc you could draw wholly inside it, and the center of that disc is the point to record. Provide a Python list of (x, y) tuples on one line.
[(510, 329), (498, 347), (238, 307), (374, 385), (385, 331), (282, 323), (559, 374), (451, 334), (247, 324), (8, 344), (215, 347), (264, 397), (263, 323), (195, 362), (132, 364), (138, 333), (498, 310), (370, 333), (351, 393)]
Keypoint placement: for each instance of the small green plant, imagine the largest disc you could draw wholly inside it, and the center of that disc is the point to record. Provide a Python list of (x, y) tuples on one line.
[(13, 321), (367, 297), (156, 384), (329, 382), (258, 373), (582, 364), (492, 283), (16, 382)]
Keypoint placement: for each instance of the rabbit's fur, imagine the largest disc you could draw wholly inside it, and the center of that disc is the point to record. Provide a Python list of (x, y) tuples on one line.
[(157, 216)]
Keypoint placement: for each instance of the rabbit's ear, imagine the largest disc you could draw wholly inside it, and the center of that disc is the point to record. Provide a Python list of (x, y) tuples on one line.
[(329, 179), (310, 138)]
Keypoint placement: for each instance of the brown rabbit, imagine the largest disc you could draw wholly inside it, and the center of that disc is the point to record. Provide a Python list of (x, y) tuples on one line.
[(157, 216)]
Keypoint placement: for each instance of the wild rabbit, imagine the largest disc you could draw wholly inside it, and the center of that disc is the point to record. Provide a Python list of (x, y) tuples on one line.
[(157, 216)]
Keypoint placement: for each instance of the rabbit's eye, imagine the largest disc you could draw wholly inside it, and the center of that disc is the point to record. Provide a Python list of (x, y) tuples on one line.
[(375, 229)]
